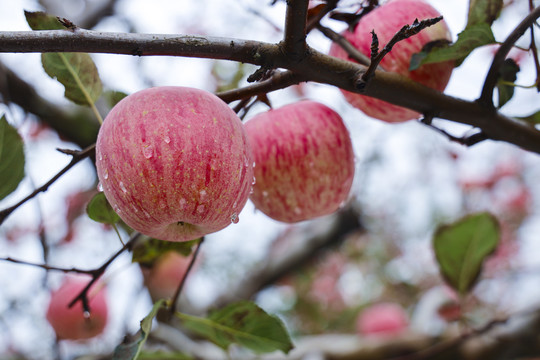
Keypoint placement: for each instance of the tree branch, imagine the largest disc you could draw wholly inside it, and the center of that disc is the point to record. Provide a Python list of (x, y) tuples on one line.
[(294, 40), (486, 97), (76, 157), (315, 66)]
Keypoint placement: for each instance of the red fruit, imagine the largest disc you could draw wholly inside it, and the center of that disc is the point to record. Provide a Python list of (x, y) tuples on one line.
[(386, 20), (382, 319), (174, 162), (71, 323), (304, 161), (163, 278)]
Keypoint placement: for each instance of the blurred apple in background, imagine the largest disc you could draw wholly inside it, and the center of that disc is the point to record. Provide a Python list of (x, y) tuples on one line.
[(174, 162), (304, 161), (163, 277), (386, 20), (72, 323), (382, 320)]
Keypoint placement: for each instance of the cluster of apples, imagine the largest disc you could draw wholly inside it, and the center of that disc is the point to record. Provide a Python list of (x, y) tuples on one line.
[(177, 163)]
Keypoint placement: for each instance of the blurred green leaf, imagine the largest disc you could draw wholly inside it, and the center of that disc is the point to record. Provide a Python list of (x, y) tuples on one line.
[(462, 247), (162, 355), (483, 11), (468, 40), (76, 71), (505, 83), (131, 348), (243, 323), (11, 158), (533, 119), (146, 252), (99, 209), (113, 97)]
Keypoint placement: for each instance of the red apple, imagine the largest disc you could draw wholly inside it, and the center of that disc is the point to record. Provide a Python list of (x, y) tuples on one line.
[(386, 20), (165, 274), (71, 323), (174, 162), (382, 319), (304, 161)]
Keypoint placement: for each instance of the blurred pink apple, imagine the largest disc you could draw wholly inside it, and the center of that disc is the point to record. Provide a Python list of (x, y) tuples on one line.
[(71, 323), (165, 274), (304, 161), (382, 319), (174, 162), (386, 20)]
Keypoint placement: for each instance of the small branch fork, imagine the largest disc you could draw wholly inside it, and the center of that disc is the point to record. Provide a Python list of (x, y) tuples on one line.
[(76, 157), (376, 57), (486, 97)]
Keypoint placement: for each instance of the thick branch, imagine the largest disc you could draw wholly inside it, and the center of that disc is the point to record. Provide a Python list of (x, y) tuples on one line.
[(315, 66), (294, 42), (486, 98)]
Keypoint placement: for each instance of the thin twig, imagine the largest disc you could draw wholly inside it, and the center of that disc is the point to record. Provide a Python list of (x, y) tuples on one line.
[(486, 97), (534, 50), (77, 156), (349, 48), (48, 267), (174, 300)]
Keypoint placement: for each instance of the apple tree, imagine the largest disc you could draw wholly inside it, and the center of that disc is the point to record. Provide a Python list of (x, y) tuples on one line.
[(331, 179)]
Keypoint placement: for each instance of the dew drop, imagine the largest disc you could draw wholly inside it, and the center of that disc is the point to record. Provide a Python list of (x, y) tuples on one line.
[(167, 139), (265, 193), (200, 209), (100, 186), (297, 210), (202, 195), (86, 314), (100, 157), (122, 187), (148, 152), (235, 218), (254, 181), (106, 175)]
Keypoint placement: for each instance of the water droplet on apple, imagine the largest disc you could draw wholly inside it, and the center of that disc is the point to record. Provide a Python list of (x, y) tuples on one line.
[(265, 193), (106, 175), (182, 203), (297, 210), (148, 152), (167, 139), (122, 187), (117, 209), (254, 181), (200, 209), (100, 186), (100, 157), (202, 195), (86, 314), (253, 164), (234, 218)]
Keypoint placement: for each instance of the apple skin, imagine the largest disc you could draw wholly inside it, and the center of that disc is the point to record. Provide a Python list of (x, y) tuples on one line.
[(386, 20), (165, 274), (174, 162), (70, 323), (382, 319), (304, 161)]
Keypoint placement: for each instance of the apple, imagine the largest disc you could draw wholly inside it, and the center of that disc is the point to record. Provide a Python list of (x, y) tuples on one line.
[(174, 162), (382, 319), (304, 161), (72, 323), (386, 20), (165, 274)]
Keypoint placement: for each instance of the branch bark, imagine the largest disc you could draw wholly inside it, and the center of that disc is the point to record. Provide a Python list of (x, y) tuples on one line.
[(315, 66), (294, 41)]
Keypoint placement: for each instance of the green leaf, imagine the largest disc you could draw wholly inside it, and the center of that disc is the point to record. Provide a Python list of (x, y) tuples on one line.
[(162, 355), (131, 348), (533, 119), (505, 83), (114, 97), (99, 209), (11, 158), (76, 71), (462, 247), (146, 252), (42, 21), (483, 11), (243, 323), (468, 40)]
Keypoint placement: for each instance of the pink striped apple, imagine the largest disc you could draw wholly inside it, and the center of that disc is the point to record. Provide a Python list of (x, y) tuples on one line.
[(386, 20), (174, 162), (304, 161), (71, 323)]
